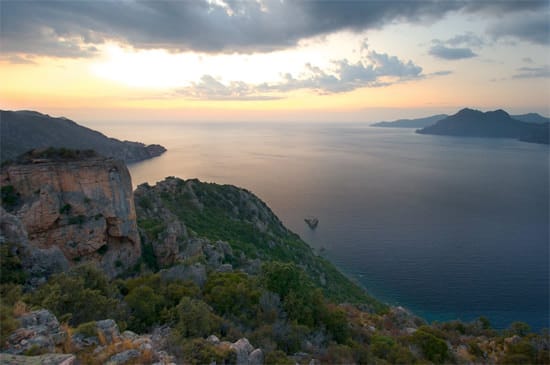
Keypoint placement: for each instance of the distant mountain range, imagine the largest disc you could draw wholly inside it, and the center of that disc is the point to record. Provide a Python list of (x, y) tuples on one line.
[(428, 121), (24, 130), (493, 124)]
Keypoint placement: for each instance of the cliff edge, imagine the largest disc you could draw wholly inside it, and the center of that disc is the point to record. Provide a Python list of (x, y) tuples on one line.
[(81, 205)]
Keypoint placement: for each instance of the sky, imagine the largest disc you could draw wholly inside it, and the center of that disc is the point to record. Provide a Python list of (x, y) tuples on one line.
[(273, 60)]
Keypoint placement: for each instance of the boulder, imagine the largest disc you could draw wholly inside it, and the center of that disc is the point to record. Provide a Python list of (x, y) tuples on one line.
[(123, 357), (256, 357), (243, 348), (213, 339), (107, 330)]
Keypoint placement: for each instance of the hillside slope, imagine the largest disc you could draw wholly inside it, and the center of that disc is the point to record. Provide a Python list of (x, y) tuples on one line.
[(199, 210), (21, 131)]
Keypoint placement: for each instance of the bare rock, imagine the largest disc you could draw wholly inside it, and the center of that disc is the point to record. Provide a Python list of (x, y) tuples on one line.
[(213, 339), (46, 359), (80, 208), (243, 348), (195, 273), (37, 262), (123, 357), (107, 329), (39, 330), (256, 357)]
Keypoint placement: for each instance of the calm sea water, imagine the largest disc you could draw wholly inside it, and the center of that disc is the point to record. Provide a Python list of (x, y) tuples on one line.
[(447, 227)]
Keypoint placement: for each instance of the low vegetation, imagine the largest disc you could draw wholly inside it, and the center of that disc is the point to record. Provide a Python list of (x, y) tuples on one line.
[(279, 310), (295, 306)]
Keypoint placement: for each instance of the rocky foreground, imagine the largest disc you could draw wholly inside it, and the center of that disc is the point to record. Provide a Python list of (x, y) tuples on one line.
[(188, 272)]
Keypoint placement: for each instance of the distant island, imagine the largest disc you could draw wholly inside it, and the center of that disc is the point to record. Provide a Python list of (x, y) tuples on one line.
[(431, 120), (24, 130), (492, 124), (412, 123)]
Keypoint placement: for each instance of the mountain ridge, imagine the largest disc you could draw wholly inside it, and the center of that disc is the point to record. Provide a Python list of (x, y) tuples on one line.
[(430, 120), (491, 124), (24, 130)]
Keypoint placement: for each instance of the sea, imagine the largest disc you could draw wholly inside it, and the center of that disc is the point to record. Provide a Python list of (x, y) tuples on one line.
[(447, 227)]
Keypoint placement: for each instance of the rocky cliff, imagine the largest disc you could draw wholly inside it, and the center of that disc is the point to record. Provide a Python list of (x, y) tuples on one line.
[(71, 210)]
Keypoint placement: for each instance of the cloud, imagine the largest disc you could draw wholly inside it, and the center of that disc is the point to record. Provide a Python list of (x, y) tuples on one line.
[(447, 53), (532, 72), (67, 28), (210, 88), (468, 39), (534, 28), (372, 70), (440, 73), (449, 49)]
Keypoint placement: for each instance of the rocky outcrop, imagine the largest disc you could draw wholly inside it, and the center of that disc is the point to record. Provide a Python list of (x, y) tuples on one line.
[(80, 208), (195, 273), (39, 332), (46, 359), (166, 232), (38, 263), (246, 353)]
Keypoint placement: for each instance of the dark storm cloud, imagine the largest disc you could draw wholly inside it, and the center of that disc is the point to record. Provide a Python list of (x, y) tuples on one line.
[(534, 28), (71, 28), (448, 53)]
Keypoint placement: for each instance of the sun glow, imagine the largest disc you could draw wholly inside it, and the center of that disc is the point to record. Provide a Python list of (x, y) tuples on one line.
[(160, 69)]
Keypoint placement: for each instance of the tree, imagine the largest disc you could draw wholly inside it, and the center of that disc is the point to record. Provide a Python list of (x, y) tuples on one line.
[(145, 306), (195, 318)]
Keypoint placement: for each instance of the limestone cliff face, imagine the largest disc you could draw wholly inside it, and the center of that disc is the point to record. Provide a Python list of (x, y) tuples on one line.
[(82, 206)]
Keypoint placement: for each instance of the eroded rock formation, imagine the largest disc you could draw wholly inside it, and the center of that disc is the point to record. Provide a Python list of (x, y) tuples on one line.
[(81, 207)]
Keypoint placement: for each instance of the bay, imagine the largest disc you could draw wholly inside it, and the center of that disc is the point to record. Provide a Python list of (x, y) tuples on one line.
[(450, 228)]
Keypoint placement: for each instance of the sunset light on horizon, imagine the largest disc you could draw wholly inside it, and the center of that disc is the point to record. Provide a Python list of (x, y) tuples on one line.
[(352, 61)]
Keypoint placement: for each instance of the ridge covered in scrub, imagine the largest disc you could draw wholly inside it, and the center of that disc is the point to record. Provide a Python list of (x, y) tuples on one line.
[(213, 277)]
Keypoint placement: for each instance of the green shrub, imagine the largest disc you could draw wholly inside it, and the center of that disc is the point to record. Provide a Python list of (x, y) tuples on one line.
[(233, 294), (434, 349), (522, 352), (198, 352), (195, 318), (277, 358), (65, 209), (382, 346), (10, 198), (11, 270), (519, 328), (8, 323), (88, 329), (84, 292), (79, 219), (145, 307), (35, 350)]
